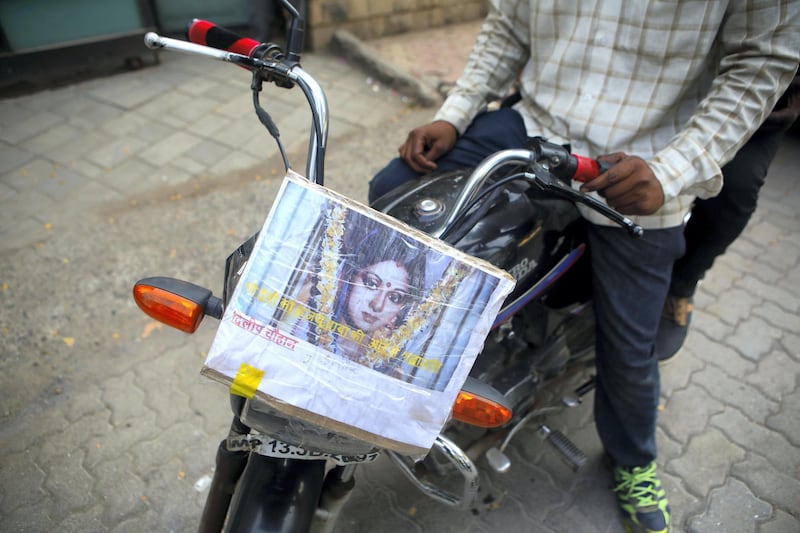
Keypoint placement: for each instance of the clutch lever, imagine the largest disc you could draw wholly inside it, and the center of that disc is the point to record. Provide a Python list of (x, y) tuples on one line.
[(545, 181)]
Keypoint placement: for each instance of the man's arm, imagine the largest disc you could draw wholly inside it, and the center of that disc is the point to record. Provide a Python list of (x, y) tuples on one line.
[(761, 44), (500, 52), (497, 57)]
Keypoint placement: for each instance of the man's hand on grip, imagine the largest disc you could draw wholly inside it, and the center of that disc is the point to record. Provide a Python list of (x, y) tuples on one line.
[(629, 186)]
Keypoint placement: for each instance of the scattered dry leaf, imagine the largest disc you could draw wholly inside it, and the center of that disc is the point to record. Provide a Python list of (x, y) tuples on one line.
[(149, 327), (69, 341)]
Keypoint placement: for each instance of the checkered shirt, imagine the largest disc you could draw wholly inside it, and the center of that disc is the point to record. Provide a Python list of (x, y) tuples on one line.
[(681, 83)]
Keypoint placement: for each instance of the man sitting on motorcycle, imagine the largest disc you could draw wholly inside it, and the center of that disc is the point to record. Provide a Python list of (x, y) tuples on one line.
[(669, 92)]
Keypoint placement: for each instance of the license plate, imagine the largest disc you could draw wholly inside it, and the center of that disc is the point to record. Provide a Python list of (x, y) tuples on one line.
[(276, 448)]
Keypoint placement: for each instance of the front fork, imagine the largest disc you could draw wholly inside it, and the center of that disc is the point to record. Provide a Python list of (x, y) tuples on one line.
[(229, 467), (258, 493)]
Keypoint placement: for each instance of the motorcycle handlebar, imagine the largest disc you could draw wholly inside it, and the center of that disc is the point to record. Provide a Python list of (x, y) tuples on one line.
[(539, 175), (272, 69), (207, 33), (564, 164)]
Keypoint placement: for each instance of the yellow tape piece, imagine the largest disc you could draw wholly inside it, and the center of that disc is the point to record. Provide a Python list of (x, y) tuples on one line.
[(246, 381)]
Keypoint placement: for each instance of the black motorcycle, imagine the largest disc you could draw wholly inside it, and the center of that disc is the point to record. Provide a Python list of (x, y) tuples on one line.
[(516, 210)]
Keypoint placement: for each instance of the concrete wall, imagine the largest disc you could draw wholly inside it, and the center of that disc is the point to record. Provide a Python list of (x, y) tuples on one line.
[(368, 19)]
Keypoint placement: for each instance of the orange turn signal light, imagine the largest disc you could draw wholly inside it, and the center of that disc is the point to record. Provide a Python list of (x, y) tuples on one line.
[(172, 309), (478, 411)]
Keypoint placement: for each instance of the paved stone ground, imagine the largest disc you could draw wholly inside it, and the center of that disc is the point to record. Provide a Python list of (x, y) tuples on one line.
[(105, 424)]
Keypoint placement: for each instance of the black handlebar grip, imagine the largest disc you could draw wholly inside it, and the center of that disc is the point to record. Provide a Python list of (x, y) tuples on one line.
[(209, 34), (603, 166)]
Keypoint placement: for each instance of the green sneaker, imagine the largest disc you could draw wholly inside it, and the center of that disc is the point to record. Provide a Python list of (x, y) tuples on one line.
[(643, 502)]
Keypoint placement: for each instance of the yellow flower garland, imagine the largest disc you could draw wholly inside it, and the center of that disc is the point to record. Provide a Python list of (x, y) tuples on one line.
[(329, 262)]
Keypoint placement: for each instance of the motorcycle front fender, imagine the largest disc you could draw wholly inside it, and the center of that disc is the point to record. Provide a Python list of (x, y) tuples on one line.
[(276, 495)]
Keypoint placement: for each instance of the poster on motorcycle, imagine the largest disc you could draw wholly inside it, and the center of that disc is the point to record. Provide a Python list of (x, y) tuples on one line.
[(347, 318)]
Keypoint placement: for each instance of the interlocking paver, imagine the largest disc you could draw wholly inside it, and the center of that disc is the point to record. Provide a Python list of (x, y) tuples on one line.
[(781, 522), (687, 413), (119, 488), (32, 125), (733, 503), (732, 391), (776, 376), (734, 305), (706, 323), (706, 461), (22, 481), (33, 518), (785, 421), (78, 148), (12, 158), (754, 338), (770, 292), (676, 374), (780, 488), (791, 343), (759, 439), (70, 484)]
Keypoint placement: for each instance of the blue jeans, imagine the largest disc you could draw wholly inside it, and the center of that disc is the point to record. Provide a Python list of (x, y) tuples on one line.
[(630, 282)]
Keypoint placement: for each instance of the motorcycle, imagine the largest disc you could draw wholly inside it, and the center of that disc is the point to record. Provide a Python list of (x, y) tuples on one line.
[(515, 210)]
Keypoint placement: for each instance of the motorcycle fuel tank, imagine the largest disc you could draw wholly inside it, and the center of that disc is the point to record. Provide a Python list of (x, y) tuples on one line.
[(515, 226)]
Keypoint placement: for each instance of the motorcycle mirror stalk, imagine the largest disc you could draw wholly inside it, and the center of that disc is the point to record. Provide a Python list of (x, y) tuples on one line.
[(176, 303)]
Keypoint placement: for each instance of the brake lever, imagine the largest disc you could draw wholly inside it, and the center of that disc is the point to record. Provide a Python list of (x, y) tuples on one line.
[(545, 181)]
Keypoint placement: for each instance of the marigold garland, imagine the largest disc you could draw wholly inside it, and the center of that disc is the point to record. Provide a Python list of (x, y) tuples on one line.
[(420, 315), (329, 259)]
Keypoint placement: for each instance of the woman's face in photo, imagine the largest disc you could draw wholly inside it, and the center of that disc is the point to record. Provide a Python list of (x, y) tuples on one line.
[(377, 295)]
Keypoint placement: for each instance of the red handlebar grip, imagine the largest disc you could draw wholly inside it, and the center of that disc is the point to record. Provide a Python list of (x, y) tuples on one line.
[(588, 169), (209, 34)]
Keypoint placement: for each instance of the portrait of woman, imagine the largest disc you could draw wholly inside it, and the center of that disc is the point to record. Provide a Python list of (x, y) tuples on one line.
[(379, 277)]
